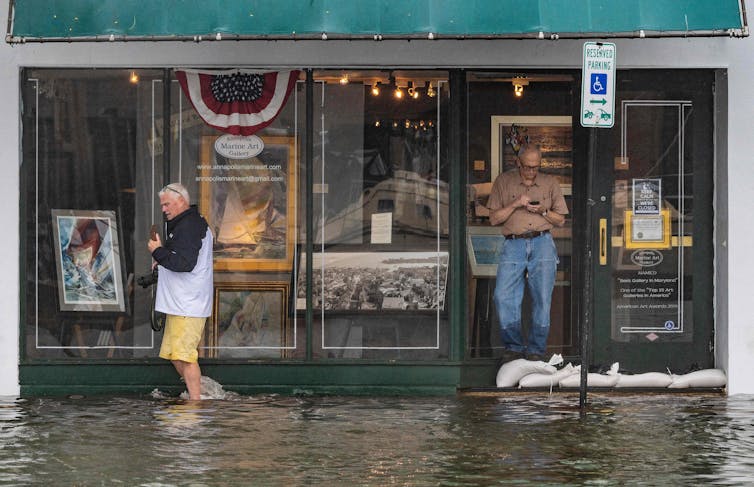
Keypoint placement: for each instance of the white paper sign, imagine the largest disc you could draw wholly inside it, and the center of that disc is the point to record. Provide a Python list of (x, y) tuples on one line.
[(382, 228)]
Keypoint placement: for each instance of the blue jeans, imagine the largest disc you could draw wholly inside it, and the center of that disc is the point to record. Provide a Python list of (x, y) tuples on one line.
[(534, 260)]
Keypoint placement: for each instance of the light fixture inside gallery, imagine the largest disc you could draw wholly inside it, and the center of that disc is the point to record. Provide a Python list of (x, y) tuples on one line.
[(397, 91), (402, 85), (518, 86), (133, 78), (412, 92)]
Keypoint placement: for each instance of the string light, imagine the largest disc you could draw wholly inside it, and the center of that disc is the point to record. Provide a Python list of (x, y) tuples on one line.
[(343, 79), (133, 78), (376, 89), (430, 91)]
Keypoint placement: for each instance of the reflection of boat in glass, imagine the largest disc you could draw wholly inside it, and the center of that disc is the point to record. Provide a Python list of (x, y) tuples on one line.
[(418, 205)]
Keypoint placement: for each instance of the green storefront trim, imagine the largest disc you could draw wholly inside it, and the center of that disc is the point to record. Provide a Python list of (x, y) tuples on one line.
[(91, 378), (124, 20)]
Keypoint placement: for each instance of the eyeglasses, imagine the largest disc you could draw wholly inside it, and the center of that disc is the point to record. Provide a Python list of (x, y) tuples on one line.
[(168, 188), (529, 168)]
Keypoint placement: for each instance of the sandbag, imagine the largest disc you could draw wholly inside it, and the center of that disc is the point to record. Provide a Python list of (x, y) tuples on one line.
[(700, 378), (593, 379), (548, 380), (649, 379), (511, 372)]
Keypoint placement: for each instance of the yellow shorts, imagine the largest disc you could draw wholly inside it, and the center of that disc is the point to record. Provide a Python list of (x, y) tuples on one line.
[(181, 338)]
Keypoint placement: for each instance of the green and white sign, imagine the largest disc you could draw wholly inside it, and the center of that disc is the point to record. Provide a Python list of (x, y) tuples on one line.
[(598, 85)]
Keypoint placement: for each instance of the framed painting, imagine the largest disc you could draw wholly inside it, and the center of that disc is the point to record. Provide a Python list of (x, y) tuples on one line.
[(88, 260), (483, 244), (376, 281), (250, 320), (250, 203), (554, 135)]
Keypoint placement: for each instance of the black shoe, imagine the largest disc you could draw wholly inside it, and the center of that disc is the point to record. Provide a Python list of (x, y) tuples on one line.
[(509, 356), (534, 357)]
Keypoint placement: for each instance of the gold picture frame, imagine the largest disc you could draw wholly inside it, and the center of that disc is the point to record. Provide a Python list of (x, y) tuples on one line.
[(654, 232), (249, 320), (250, 205)]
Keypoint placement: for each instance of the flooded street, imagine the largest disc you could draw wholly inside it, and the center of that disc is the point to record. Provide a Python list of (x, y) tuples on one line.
[(664, 439)]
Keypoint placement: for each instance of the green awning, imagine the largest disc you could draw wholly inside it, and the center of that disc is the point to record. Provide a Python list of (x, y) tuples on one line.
[(126, 20)]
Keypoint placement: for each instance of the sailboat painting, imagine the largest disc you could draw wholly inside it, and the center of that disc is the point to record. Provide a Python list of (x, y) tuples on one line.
[(250, 205), (88, 260)]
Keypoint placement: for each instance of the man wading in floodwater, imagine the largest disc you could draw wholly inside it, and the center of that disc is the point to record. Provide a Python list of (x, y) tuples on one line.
[(184, 284)]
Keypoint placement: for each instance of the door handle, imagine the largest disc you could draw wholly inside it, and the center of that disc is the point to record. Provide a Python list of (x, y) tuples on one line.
[(603, 241)]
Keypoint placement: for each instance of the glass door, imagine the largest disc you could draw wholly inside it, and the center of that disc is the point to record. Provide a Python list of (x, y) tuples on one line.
[(505, 112), (653, 224)]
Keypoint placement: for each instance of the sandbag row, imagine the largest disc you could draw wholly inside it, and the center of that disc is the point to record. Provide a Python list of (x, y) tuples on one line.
[(527, 373)]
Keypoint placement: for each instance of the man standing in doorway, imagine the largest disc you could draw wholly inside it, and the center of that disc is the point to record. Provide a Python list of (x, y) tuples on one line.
[(184, 285), (528, 204)]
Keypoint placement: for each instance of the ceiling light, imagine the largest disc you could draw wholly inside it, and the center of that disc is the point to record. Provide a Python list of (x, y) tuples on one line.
[(343, 79), (412, 92), (397, 91), (376, 89), (518, 86), (133, 78)]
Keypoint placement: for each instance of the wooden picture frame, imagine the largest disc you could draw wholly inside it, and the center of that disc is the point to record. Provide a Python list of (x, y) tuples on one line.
[(88, 260), (554, 135), (249, 320), (250, 205)]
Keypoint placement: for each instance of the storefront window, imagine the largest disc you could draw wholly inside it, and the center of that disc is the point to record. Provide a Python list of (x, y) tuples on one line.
[(93, 164), (89, 159), (381, 216)]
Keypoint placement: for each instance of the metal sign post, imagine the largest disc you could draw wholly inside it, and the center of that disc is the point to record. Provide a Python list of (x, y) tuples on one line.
[(597, 111)]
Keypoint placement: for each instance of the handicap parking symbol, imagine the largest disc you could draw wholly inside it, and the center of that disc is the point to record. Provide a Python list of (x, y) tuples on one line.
[(598, 84)]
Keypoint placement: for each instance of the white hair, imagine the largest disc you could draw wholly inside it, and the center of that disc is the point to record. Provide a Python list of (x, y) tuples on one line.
[(176, 188)]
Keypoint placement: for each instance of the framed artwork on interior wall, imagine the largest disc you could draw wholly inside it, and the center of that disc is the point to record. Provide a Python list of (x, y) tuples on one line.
[(88, 260), (483, 244), (249, 201), (376, 281), (250, 319), (554, 135)]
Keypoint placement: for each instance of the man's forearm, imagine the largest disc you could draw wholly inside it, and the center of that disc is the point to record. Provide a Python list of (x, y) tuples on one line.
[(501, 214)]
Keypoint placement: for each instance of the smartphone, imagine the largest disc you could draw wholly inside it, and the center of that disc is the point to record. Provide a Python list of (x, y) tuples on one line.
[(153, 232), (535, 202)]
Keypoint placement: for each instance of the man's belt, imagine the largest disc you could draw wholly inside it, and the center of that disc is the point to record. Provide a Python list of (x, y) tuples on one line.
[(527, 235)]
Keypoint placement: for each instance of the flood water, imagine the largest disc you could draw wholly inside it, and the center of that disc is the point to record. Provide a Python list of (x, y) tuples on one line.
[(454, 441)]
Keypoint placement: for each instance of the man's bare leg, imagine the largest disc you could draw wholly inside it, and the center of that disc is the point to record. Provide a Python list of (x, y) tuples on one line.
[(192, 375)]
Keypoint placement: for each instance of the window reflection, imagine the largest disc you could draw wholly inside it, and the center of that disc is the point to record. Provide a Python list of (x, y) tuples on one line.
[(383, 206)]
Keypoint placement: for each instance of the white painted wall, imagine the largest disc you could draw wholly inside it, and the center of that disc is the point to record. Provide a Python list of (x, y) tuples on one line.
[(735, 351)]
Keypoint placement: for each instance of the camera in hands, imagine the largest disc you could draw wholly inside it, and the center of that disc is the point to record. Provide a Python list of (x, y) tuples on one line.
[(147, 279)]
